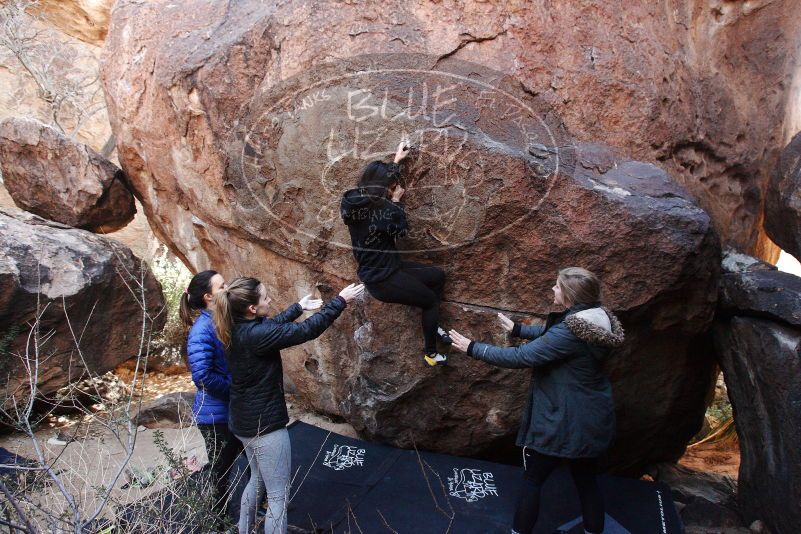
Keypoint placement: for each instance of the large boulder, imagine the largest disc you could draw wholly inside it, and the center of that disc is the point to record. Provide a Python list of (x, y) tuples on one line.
[(670, 82), (84, 288), (758, 339), (239, 140), (783, 200), (57, 178)]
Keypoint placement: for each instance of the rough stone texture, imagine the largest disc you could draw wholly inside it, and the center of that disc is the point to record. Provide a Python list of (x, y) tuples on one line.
[(500, 192), (80, 279), (86, 20), (173, 410), (734, 261), (773, 295), (672, 82), (687, 484), (761, 363), (59, 179), (68, 70), (783, 200)]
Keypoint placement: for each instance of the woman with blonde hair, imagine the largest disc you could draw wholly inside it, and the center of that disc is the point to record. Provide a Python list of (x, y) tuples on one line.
[(257, 409), (569, 414)]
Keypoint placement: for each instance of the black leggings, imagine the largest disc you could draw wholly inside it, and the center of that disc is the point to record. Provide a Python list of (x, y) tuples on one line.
[(538, 468), (223, 449), (415, 284)]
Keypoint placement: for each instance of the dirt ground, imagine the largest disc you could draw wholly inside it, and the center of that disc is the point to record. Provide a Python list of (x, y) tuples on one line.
[(95, 456)]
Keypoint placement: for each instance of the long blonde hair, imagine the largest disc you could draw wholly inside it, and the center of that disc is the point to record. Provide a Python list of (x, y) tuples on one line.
[(579, 286), (232, 302)]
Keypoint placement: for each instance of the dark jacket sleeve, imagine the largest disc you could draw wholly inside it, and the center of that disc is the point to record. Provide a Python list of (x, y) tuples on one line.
[(201, 348), (289, 314), (558, 343), (271, 336), (526, 331)]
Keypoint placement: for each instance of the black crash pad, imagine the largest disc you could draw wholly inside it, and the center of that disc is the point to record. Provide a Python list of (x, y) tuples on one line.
[(342, 484)]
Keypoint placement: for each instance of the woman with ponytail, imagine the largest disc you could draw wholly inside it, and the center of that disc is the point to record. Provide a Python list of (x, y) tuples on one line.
[(257, 409), (206, 361)]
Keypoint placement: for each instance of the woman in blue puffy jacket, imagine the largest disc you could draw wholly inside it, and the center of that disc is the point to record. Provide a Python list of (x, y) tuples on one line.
[(206, 361)]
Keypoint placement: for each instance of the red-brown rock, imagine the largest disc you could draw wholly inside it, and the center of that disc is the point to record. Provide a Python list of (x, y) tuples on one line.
[(75, 278), (240, 132), (782, 203), (57, 178)]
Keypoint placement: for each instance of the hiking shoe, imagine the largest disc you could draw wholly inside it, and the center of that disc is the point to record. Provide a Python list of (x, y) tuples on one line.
[(443, 336), (434, 358)]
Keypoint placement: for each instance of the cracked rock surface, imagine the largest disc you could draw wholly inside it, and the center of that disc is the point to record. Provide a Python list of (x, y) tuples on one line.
[(84, 284), (62, 180), (542, 138)]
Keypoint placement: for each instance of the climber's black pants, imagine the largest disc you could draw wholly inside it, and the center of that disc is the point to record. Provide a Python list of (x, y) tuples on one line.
[(538, 467), (415, 284)]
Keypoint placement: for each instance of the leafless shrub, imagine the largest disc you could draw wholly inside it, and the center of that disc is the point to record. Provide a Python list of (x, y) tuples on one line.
[(71, 95)]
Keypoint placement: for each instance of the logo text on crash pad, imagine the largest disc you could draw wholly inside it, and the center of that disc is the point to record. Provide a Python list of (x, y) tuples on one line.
[(471, 484), (344, 457)]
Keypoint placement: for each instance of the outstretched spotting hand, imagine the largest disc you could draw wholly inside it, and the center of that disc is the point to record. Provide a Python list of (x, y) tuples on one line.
[(308, 303), (459, 341), (506, 323), (352, 292), (403, 150)]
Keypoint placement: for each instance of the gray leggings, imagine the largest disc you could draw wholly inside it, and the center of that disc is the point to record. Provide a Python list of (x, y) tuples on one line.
[(269, 457)]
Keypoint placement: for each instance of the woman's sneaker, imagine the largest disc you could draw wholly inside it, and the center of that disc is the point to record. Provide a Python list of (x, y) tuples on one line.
[(443, 336), (434, 358)]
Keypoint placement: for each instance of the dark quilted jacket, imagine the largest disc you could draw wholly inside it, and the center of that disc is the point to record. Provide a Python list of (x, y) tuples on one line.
[(257, 405), (206, 358)]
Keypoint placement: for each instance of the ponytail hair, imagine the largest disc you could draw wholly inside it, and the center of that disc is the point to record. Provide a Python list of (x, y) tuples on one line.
[(192, 298), (232, 302)]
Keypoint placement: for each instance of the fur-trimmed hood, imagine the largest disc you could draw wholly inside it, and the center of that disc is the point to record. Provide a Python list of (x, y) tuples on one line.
[(596, 326)]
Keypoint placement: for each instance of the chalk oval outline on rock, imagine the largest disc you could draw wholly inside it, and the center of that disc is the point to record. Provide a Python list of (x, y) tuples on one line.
[(544, 161)]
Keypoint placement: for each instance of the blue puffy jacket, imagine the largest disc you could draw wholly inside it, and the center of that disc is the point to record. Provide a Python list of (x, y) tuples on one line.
[(209, 372)]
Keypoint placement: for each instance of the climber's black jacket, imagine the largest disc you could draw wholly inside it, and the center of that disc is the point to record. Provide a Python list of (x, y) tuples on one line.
[(374, 225)]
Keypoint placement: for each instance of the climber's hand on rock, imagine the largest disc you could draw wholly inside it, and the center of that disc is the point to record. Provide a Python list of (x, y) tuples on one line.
[(397, 192), (506, 323), (352, 292), (403, 150), (309, 303), (459, 341)]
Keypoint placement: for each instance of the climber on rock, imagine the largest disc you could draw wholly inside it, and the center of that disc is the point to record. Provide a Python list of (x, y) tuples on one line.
[(569, 414), (376, 218)]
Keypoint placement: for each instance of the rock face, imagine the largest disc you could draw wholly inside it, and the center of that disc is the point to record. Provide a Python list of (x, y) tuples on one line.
[(86, 20), (54, 177), (170, 411), (239, 140), (84, 281), (706, 501), (758, 339), (59, 82), (634, 78), (783, 200)]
